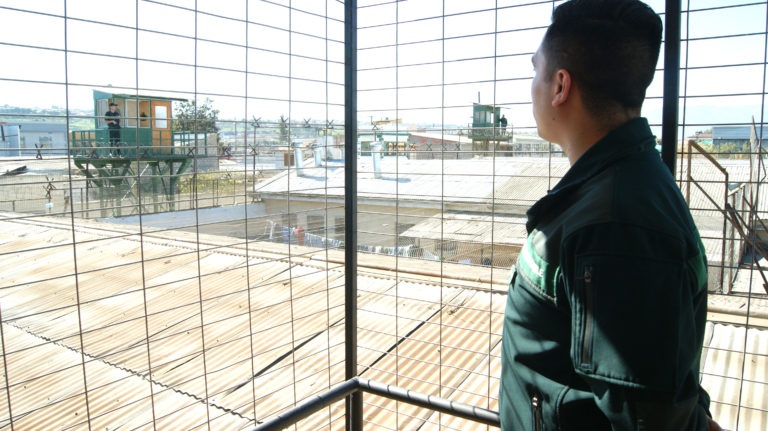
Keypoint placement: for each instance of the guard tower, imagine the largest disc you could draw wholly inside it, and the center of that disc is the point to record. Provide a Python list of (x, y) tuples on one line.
[(147, 145), (486, 131)]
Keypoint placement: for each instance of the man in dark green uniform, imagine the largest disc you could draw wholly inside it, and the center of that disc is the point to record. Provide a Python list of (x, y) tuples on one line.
[(112, 118), (607, 304)]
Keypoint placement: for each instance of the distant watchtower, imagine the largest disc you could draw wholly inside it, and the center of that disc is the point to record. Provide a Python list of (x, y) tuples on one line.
[(486, 130), (145, 142)]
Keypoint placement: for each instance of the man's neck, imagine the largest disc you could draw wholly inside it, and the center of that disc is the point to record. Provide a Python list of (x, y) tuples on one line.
[(587, 130)]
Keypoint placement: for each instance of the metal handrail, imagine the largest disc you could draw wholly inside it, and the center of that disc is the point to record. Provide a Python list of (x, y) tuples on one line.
[(726, 179), (359, 384)]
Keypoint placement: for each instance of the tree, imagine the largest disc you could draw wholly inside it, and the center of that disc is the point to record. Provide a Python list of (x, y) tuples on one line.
[(728, 150), (191, 117)]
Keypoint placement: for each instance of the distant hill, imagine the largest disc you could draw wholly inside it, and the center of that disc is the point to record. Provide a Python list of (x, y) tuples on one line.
[(79, 119)]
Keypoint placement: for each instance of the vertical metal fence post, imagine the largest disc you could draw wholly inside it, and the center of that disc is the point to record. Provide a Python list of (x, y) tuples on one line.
[(726, 180), (689, 176), (354, 402), (669, 114)]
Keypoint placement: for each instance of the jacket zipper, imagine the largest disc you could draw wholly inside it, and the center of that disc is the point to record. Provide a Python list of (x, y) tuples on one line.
[(586, 346), (538, 424)]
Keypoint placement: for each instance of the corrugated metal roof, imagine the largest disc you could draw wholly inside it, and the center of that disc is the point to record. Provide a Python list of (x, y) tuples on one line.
[(186, 218), (515, 181), (429, 327), (296, 328), (734, 374), (465, 180), (470, 227), (531, 181), (104, 95)]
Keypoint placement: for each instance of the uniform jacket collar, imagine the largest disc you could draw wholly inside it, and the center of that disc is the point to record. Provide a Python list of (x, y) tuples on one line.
[(630, 138)]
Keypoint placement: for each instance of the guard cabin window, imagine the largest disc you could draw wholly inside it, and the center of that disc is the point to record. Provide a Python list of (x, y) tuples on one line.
[(131, 113), (161, 117), (144, 113), (136, 112), (102, 106)]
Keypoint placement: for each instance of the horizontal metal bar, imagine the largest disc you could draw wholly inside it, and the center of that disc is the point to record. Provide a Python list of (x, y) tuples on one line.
[(477, 414), (312, 405)]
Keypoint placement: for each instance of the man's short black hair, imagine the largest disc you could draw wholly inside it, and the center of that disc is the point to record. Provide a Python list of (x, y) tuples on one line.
[(113, 104), (610, 48)]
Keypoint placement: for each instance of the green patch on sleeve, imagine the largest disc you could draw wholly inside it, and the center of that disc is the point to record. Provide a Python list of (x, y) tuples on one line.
[(538, 272)]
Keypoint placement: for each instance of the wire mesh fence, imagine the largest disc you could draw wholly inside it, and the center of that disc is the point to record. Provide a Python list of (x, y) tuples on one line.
[(187, 272)]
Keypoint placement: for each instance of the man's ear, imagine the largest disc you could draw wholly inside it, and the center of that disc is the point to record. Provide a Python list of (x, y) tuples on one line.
[(561, 84)]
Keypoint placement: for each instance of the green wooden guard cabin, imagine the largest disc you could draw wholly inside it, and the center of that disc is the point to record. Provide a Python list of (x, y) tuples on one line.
[(485, 129), (147, 144)]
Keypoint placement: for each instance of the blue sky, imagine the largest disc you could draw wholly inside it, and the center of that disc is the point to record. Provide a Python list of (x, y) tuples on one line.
[(725, 79)]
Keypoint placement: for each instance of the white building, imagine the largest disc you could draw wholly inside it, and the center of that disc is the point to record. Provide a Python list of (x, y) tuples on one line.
[(26, 139)]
